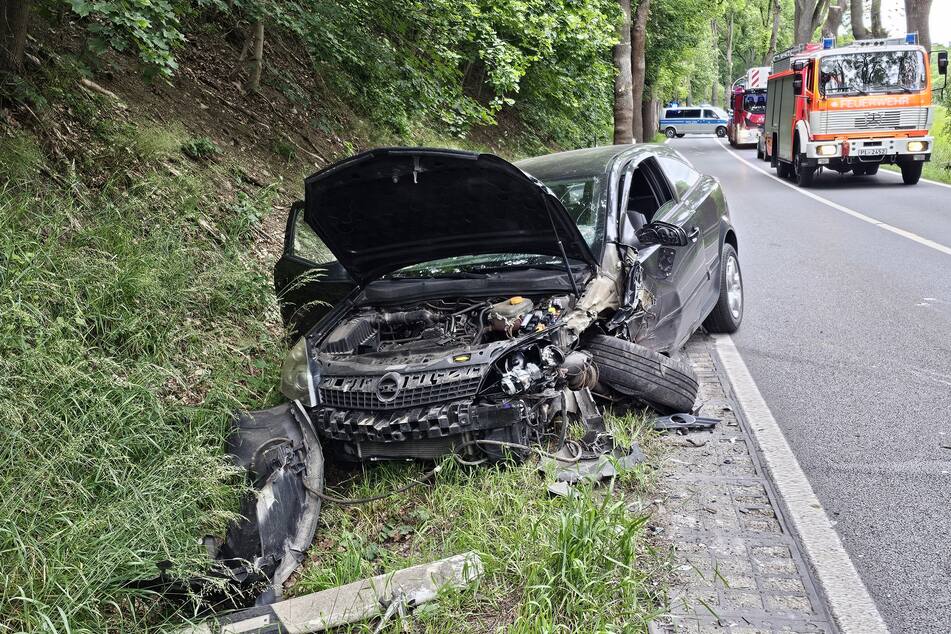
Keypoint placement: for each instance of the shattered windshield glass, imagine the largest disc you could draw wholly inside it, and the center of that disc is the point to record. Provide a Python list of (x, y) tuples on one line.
[(582, 198), (872, 72)]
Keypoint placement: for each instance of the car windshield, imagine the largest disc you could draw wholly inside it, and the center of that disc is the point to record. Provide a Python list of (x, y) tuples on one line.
[(877, 71), (581, 196), (476, 265)]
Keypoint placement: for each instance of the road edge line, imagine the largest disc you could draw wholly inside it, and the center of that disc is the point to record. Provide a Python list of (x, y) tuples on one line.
[(849, 601), (931, 244)]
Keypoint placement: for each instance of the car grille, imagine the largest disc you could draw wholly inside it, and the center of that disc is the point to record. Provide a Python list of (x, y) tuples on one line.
[(403, 390), (830, 122)]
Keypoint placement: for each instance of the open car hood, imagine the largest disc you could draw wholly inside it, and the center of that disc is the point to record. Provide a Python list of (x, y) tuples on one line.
[(389, 208)]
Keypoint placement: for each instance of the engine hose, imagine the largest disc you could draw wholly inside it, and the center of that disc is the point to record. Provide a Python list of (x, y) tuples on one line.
[(541, 452), (373, 498)]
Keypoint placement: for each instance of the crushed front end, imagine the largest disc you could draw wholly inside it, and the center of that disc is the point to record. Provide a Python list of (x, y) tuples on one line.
[(421, 381)]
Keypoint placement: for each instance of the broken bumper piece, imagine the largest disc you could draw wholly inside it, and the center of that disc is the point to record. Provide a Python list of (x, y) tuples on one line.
[(282, 455), (377, 596)]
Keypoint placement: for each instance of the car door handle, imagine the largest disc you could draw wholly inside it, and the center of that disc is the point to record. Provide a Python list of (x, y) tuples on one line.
[(694, 234)]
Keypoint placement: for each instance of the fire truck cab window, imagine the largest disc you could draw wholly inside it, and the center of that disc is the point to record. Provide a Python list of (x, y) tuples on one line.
[(872, 72)]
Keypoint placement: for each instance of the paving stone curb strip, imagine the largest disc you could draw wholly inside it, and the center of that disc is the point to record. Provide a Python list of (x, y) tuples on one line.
[(738, 568)]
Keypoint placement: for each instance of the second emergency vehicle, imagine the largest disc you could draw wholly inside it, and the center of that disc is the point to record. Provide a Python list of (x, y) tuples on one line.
[(749, 107)]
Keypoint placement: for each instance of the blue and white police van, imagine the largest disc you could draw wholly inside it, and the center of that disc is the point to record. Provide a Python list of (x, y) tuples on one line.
[(676, 121)]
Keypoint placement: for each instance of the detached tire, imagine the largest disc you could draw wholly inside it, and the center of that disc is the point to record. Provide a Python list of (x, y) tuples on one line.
[(636, 371)]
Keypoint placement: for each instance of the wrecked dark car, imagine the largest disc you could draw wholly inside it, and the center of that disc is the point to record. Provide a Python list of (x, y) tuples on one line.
[(452, 302)]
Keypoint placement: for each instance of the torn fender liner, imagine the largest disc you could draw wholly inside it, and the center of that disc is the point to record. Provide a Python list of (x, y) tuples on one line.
[(351, 603), (280, 450)]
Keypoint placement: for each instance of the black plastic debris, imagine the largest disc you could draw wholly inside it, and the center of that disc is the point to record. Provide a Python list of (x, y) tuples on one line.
[(682, 423), (283, 458), (599, 458)]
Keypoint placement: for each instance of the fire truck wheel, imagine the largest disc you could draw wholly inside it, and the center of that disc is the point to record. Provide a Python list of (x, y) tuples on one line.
[(783, 169), (721, 131), (911, 172), (804, 175), (670, 133)]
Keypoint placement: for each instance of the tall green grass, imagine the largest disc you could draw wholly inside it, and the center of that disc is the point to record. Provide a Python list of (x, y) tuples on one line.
[(127, 335), (580, 564)]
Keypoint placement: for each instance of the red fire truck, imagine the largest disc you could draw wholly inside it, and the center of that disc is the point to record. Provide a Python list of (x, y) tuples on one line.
[(850, 108), (749, 107)]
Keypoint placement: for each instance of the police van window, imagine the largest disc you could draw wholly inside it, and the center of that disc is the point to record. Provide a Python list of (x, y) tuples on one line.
[(675, 114), (692, 114), (679, 173), (710, 114)]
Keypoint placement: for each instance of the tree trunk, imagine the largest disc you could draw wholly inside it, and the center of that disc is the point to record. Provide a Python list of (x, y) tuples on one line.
[(14, 19), (729, 54), (917, 13), (623, 103), (638, 66), (830, 28), (808, 16), (257, 58), (716, 62), (877, 29), (771, 51), (649, 114), (857, 16)]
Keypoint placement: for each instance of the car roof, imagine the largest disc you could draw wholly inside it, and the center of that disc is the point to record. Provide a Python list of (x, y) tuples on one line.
[(584, 162)]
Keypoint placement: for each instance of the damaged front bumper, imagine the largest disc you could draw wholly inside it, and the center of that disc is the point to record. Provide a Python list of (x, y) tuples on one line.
[(280, 450)]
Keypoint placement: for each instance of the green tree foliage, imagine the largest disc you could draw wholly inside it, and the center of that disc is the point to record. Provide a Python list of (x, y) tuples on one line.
[(407, 64)]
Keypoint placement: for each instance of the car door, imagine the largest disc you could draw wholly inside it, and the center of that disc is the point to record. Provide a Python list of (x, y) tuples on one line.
[(307, 280), (693, 121), (678, 274)]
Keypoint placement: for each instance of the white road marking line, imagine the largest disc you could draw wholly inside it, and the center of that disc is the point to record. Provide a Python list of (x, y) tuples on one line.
[(849, 601), (937, 246)]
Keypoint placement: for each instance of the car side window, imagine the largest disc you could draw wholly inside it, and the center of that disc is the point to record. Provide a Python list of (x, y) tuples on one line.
[(710, 114), (680, 174), (305, 243), (674, 114), (692, 114)]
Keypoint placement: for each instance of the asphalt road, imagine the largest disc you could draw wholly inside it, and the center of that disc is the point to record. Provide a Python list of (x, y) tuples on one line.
[(847, 333)]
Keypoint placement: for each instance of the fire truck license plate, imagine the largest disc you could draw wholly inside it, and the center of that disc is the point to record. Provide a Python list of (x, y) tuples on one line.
[(872, 151)]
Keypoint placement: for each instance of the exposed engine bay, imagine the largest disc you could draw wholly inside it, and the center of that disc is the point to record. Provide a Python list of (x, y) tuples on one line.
[(448, 374)]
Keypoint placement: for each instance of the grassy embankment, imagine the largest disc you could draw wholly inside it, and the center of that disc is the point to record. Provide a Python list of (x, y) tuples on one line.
[(137, 313)]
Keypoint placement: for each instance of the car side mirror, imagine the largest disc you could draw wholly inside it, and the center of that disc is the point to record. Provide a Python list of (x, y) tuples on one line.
[(942, 62), (799, 64), (662, 233), (631, 223), (797, 86)]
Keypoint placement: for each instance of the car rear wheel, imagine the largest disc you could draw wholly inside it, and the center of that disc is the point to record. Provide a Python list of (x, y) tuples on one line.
[(641, 373), (670, 133), (728, 312), (911, 173)]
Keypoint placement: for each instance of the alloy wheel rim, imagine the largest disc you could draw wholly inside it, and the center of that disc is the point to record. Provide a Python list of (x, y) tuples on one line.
[(734, 287)]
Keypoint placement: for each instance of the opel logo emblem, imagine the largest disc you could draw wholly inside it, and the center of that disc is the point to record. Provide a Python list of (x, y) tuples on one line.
[(873, 118), (389, 386)]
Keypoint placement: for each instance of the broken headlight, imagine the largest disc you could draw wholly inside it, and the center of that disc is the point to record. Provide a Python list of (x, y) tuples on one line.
[(297, 379)]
